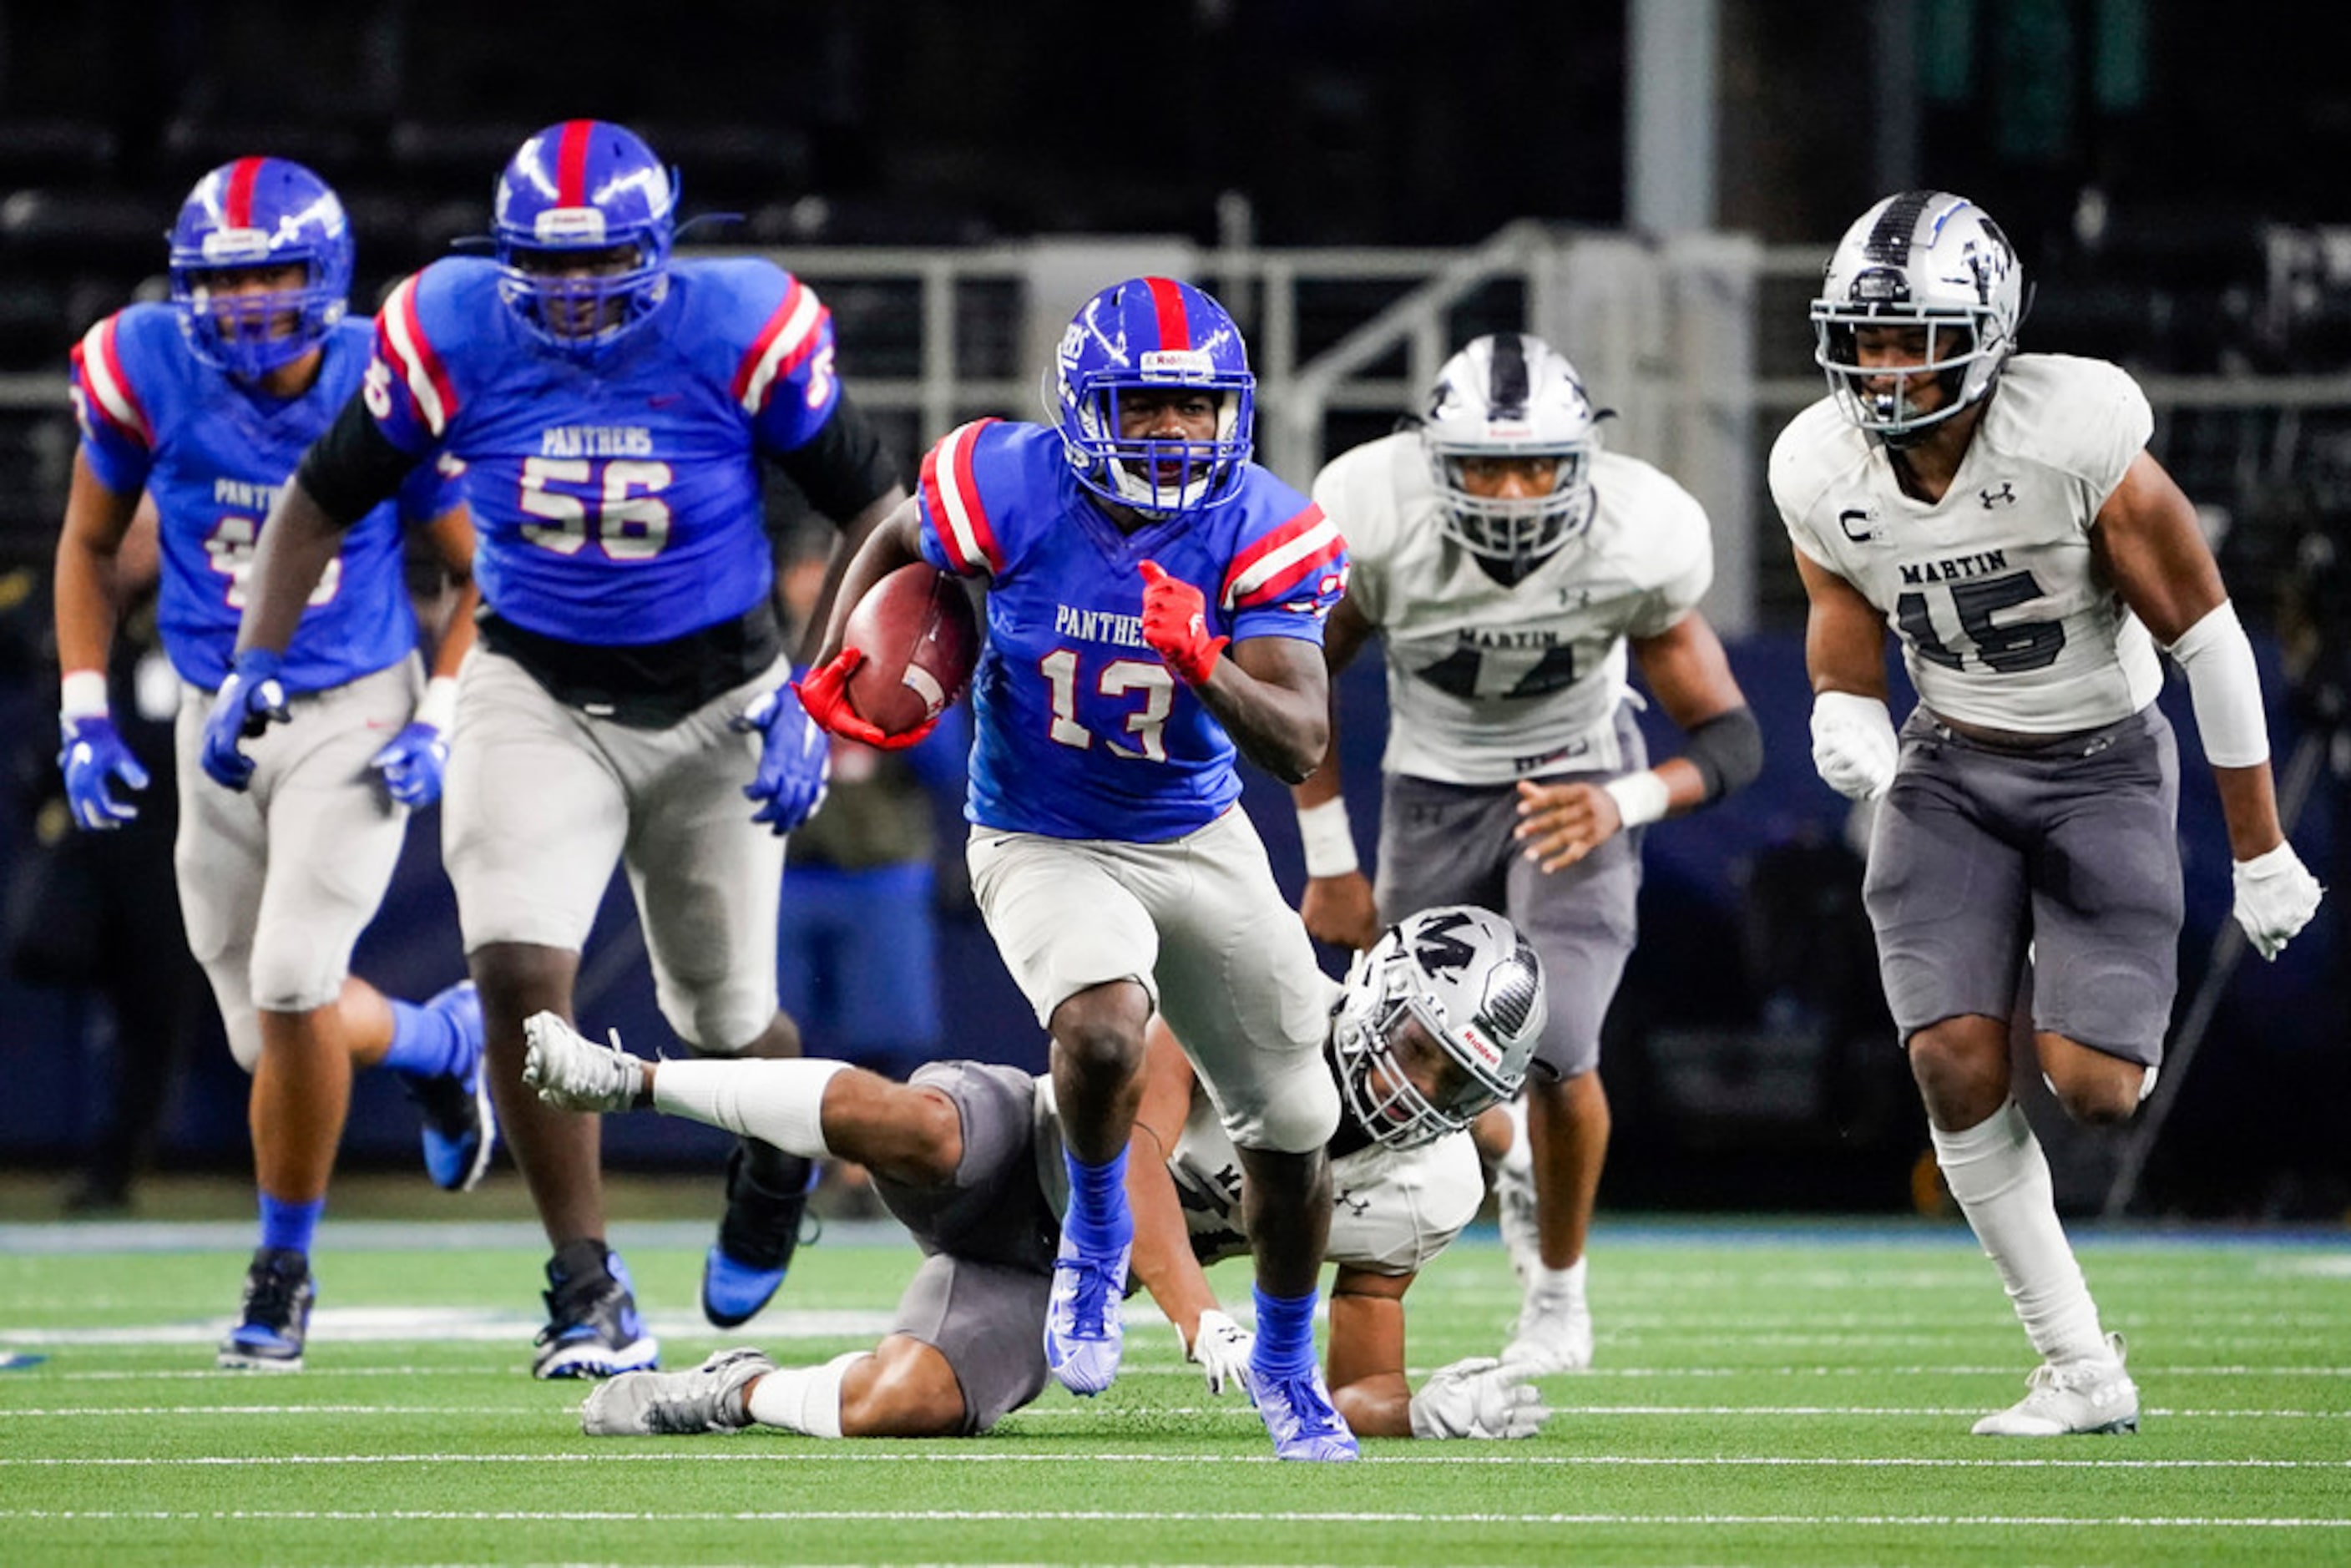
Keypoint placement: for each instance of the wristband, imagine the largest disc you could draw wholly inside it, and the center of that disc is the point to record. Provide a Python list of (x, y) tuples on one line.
[(1641, 798), (1328, 842), (438, 705), (82, 695)]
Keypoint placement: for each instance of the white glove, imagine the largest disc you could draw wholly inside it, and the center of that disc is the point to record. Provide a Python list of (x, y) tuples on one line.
[(1478, 1398), (1853, 748), (2276, 896), (573, 1073), (1221, 1346)]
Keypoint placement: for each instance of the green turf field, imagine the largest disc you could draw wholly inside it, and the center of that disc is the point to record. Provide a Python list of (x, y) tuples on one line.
[(1795, 1394)]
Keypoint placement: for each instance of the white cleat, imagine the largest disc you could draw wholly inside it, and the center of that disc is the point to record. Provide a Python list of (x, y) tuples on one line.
[(573, 1073), (2091, 1395), (675, 1404), (1553, 1334)]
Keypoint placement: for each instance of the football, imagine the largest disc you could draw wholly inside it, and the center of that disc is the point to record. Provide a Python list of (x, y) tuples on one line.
[(920, 639)]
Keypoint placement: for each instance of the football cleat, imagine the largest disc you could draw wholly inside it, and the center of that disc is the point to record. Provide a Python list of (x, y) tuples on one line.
[(461, 1127), (1085, 1327), (709, 1399), (1553, 1333), (572, 1072), (757, 1238), (2091, 1395), (1300, 1416), (592, 1328), (276, 1317)]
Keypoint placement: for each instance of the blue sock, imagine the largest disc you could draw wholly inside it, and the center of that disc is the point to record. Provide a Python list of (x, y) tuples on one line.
[(1285, 1333), (1099, 1220), (290, 1226), (424, 1045)]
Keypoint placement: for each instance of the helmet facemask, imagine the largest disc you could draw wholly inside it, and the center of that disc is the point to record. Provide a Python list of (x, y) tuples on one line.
[(1456, 994), (1509, 398), (1929, 262)]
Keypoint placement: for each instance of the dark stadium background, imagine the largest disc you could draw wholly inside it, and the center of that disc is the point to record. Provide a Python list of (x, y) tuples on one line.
[(2139, 151)]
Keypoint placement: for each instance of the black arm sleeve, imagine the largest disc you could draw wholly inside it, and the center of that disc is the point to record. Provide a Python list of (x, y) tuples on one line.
[(841, 469), (352, 467), (1726, 750)]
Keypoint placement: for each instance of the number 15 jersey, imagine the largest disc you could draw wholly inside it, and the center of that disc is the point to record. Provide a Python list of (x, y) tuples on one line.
[(2004, 618)]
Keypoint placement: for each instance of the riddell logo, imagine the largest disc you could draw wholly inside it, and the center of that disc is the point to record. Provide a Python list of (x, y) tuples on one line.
[(1177, 362)]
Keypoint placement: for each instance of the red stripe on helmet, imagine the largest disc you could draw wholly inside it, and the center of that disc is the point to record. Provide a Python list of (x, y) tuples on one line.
[(237, 207), (1167, 298), (572, 164)]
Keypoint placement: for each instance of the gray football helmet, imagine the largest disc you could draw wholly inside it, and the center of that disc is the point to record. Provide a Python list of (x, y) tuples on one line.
[(1923, 258), (1470, 980), (1510, 395)]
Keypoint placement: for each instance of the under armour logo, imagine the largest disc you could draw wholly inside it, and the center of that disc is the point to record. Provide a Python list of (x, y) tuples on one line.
[(2003, 496)]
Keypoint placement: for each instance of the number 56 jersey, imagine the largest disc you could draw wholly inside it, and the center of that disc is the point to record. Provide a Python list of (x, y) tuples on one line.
[(2004, 618), (617, 500)]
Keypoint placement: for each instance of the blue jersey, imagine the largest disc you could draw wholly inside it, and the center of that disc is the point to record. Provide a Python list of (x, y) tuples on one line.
[(214, 453), (1083, 732), (618, 502)]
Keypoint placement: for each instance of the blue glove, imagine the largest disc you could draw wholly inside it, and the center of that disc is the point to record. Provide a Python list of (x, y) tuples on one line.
[(248, 702), (412, 764), (795, 760), (94, 756)]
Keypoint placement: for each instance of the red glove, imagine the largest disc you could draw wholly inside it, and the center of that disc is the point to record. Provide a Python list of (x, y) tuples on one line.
[(1175, 624), (824, 692)]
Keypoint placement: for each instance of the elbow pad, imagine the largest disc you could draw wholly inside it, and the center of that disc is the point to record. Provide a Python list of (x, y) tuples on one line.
[(2225, 689), (1726, 750)]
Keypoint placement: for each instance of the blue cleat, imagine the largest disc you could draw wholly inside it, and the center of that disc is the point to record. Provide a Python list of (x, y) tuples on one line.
[(592, 1328), (761, 1230), (1085, 1328), (275, 1316), (1298, 1412), (461, 1127)]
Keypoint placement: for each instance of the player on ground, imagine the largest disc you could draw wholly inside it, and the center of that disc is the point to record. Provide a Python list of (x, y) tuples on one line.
[(1508, 564), (2000, 513), (1432, 1026), (205, 404), (1156, 598), (611, 407)]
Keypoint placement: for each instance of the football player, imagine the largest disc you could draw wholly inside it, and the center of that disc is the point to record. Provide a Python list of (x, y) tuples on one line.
[(610, 406), (1432, 1026), (204, 406), (1154, 603), (2000, 513), (1509, 565)]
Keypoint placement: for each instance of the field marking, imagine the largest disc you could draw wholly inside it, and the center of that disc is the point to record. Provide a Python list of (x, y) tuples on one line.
[(860, 1455), (1139, 1516), (1111, 1413)]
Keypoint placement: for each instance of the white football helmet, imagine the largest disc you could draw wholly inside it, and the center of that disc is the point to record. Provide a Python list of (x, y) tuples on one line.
[(1921, 258), (1510, 395), (1472, 982)]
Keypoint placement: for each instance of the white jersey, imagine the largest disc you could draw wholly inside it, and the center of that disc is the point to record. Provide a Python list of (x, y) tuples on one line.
[(1391, 1210), (2004, 618), (1488, 683)]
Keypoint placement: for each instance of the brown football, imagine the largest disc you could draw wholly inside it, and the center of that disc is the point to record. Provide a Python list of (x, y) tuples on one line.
[(920, 639)]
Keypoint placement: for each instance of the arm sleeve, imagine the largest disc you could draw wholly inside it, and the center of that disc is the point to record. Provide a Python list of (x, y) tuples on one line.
[(841, 468), (354, 467)]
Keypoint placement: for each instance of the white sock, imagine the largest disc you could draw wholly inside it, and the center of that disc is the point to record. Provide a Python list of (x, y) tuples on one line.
[(803, 1399), (778, 1100), (1561, 1285), (1997, 1172)]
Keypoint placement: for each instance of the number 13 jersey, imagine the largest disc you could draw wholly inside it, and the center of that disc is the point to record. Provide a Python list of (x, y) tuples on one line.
[(2005, 616)]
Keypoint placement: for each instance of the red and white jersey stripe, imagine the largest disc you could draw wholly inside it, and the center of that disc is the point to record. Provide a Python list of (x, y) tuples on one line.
[(1281, 559), (790, 336), (952, 497), (111, 397), (401, 344)]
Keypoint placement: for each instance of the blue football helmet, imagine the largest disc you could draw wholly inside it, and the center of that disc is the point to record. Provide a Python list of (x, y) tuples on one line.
[(578, 187), (259, 213), (1153, 334)]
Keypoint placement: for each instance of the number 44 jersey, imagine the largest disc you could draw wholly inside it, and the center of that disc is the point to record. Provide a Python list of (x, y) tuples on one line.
[(2004, 618), (617, 498)]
